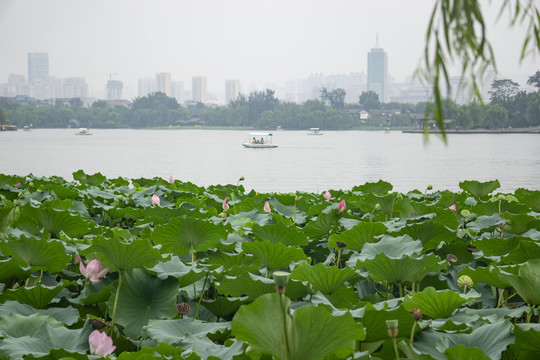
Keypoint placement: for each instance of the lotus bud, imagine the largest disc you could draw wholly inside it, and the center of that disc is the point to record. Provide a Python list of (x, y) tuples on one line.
[(120, 197), (327, 196), (281, 278), (77, 259), (155, 200), (342, 206), (429, 187), (171, 180), (465, 213), (377, 207), (225, 205), (416, 314), (267, 207), (183, 308), (100, 344), (242, 178), (452, 207), (465, 282), (392, 326)]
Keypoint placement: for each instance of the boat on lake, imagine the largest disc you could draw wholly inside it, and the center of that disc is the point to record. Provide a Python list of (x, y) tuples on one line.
[(83, 131), (315, 131), (8, 127), (259, 140)]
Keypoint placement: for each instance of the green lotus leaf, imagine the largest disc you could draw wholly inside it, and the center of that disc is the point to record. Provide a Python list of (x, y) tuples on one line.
[(280, 233), (12, 269), (253, 286), (529, 197), (83, 178), (288, 211), (379, 187), (525, 251), (323, 278), (437, 304), (34, 335), (462, 352), (479, 189), (175, 268), (312, 332), (393, 247), (322, 225), (177, 330), (124, 256), (64, 191), (60, 354), (228, 260), (526, 282), (205, 349), (369, 201), (497, 246), (38, 296), (146, 296), (55, 221), (39, 254), (67, 316), (406, 268), (470, 315), (274, 256), (494, 207), (487, 275), (360, 234), (527, 339), (492, 339), (9, 215), (430, 233), (485, 223), (184, 234), (223, 306), (374, 321), (520, 223), (165, 351)]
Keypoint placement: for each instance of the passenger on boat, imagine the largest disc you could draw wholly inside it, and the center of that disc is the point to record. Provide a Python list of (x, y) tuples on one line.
[(262, 141), (254, 141)]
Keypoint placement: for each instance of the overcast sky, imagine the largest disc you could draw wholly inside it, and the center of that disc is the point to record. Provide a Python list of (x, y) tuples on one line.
[(255, 41)]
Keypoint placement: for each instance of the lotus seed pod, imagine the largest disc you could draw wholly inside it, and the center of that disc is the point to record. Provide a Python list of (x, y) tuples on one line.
[(183, 308), (416, 314), (465, 213), (377, 207), (430, 187), (120, 197), (281, 278), (392, 328), (242, 178), (97, 324), (465, 281), (340, 244)]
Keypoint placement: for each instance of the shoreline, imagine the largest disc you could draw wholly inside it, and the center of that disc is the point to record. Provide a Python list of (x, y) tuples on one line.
[(533, 130)]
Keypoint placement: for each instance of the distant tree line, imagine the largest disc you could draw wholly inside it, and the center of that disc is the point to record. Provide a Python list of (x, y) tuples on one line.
[(508, 107)]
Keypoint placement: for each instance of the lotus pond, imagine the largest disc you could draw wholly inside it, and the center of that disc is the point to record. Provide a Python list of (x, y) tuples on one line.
[(164, 269)]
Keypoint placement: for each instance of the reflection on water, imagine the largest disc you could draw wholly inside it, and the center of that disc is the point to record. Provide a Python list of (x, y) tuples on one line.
[(336, 160)]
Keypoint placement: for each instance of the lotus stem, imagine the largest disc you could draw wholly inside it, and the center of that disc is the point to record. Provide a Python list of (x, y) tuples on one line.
[(338, 258), (284, 315), (200, 298), (116, 303), (499, 300), (39, 278), (412, 333), (400, 290), (396, 352)]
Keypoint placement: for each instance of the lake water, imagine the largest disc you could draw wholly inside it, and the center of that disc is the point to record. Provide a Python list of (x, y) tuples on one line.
[(335, 160)]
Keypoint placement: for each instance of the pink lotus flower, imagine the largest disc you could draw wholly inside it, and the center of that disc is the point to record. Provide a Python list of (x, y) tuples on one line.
[(100, 344), (225, 206), (452, 207), (341, 206), (327, 196), (93, 270), (171, 180), (267, 207), (77, 259), (155, 200)]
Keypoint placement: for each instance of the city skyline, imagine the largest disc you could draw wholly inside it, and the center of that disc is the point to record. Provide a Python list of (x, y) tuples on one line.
[(258, 43)]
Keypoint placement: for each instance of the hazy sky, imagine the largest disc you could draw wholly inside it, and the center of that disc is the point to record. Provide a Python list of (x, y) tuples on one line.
[(255, 41)]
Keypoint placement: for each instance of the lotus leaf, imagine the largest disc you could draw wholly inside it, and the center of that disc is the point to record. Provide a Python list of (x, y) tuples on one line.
[(54, 221), (405, 268), (38, 296), (175, 268), (437, 304), (83, 178), (374, 321), (254, 286), (393, 247), (489, 275), (321, 226), (146, 296), (274, 255), (485, 223), (379, 187), (430, 233), (280, 233), (462, 352), (223, 306), (360, 234), (479, 189), (520, 223), (12, 269), (323, 278), (525, 251), (311, 332), (526, 282), (67, 316), (164, 350), (527, 340), (529, 197)]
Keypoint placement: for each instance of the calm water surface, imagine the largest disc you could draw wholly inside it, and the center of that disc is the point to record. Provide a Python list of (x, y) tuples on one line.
[(335, 160)]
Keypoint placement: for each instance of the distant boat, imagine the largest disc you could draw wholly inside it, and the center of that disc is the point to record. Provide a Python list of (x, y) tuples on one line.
[(315, 131), (83, 131), (8, 127), (387, 131), (27, 128), (259, 141), (279, 128)]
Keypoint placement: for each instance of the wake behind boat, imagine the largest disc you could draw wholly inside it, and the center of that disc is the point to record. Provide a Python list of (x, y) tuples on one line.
[(259, 141)]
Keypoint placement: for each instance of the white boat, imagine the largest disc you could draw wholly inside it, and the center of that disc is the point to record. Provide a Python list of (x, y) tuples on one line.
[(315, 131), (83, 131), (259, 140)]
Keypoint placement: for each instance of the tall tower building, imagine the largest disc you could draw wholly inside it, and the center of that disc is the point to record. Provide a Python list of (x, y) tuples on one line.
[(163, 83), (232, 90), (146, 86), (198, 88), (177, 89), (38, 67), (114, 89), (377, 74)]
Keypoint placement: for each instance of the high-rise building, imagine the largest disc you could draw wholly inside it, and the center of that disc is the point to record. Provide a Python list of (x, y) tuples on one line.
[(163, 83), (38, 67), (75, 87), (146, 87), (377, 74), (232, 90), (199, 88), (177, 89), (114, 89)]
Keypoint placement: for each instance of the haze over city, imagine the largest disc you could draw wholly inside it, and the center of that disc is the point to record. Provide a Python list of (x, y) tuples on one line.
[(260, 43)]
